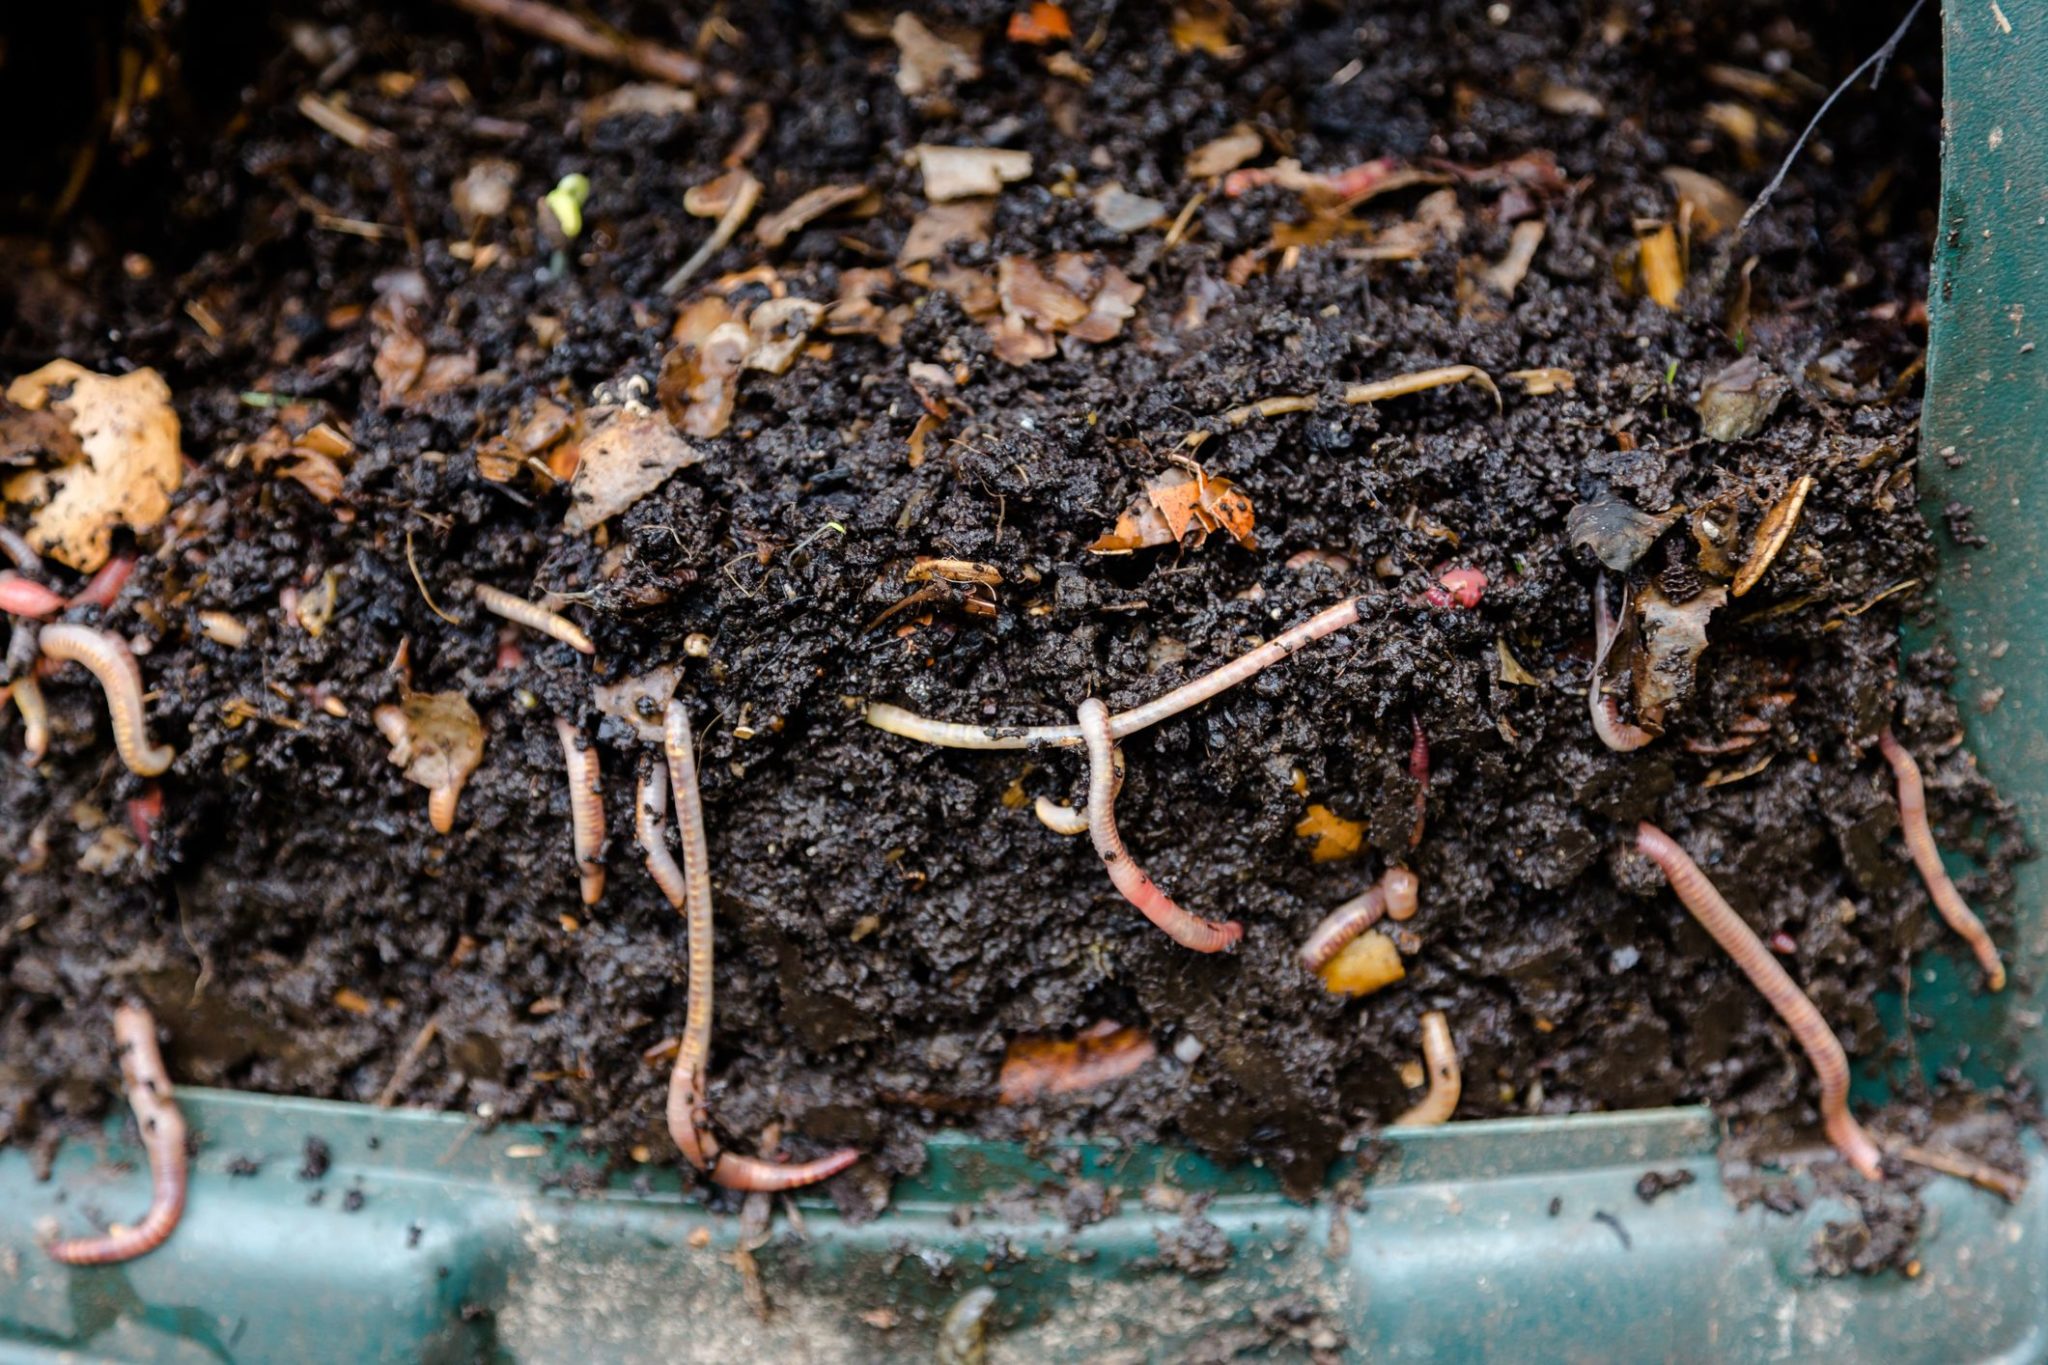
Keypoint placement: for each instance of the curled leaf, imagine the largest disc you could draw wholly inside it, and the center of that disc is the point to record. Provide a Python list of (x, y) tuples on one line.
[(1179, 502), (127, 433), (1672, 637), (1616, 533), (1772, 534)]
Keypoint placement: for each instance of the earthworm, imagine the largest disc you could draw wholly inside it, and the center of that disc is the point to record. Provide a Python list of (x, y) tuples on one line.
[(650, 827), (35, 717), (586, 808), (163, 1138), (1191, 931), (1393, 894), (1342, 925), (1418, 769), (1440, 1057), (1065, 820), (25, 597), (1616, 733), (441, 803), (534, 617), (18, 551), (111, 661), (959, 735), (1740, 942), (105, 586), (1920, 843), (688, 1123)]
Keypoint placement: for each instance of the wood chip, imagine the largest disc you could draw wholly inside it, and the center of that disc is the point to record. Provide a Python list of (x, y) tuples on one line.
[(1223, 155), (777, 227), (964, 172)]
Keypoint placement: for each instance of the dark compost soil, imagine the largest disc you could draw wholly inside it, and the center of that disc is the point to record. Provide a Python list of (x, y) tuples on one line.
[(891, 916)]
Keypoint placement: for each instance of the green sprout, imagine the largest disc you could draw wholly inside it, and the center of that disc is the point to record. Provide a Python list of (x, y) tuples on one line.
[(566, 202)]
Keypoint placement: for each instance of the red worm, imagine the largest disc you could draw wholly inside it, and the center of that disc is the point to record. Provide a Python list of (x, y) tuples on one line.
[(1342, 925), (688, 1120), (1418, 769), (962, 735), (105, 586), (1920, 843), (1740, 942), (586, 808), (1616, 733), (25, 597), (163, 1137), (650, 827), (1190, 931), (111, 661)]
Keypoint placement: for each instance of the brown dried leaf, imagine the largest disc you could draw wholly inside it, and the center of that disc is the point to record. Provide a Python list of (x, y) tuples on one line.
[(1663, 274), (1177, 502), (485, 192), (1033, 1067), (775, 229), (1714, 206), (1030, 294), (127, 433), (435, 736), (1223, 155), (1117, 209), (778, 329), (1771, 535), (642, 99), (641, 700), (966, 172), (700, 383), (623, 460), (1204, 26), (941, 225), (928, 59)]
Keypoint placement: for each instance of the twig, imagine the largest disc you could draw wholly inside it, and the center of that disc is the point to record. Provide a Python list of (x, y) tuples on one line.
[(638, 55), (1877, 59), (409, 1061), (412, 562)]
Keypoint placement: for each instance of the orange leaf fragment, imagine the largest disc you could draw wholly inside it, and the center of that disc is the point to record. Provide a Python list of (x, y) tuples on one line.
[(1175, 504), (1034, 1067), (1043, 23), (1335, 836)]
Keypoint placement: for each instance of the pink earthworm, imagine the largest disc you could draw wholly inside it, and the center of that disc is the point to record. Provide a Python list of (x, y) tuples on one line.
[(1616, 733), (1741, 943), (1065, 820), (534, 617), (688, 1119), (1190, 931), (1440, 1059), (120, 677), (104, 587), (963, 735), (1393, 895), (650, 827), (25, 597), (586, 808), (35, 717), (163, 1138), (1920, 843)]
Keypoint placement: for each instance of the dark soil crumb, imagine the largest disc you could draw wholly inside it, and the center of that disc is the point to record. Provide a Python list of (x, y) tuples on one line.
[(353, 1201), (1655, 1183), (1603, 1216), (891, 918), (1882, 1236), (244, 1167), (1194, 1246), (317, 1158)]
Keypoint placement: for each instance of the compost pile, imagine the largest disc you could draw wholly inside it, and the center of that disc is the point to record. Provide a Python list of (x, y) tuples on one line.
[(1068, 299)]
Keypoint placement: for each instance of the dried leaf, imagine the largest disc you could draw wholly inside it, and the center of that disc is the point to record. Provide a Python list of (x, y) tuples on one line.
[(927, 59), (1418, 381), (1549, 379), (1571, 102), (964, 172), (775, 229), (1178, 502), (625, 459), (1714, 207), (1672, 637), (777, 330), (1506, 277), (1223, 155), (1027, 292), (1737, 400), (435, 736), (128, 435), (700, 383), (640, 701), (1772, 533), (941, 225), (1042, 23), (1663, 274), (1368, 963), (1121, 211), (1035, 1067), (1204, 26), (1511, 670), (485, 192), (1617, 533), (643, 99), (1335, 837)]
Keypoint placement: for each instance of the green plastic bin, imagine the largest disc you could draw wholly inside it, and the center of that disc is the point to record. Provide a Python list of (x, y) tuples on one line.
[(429, 1239)]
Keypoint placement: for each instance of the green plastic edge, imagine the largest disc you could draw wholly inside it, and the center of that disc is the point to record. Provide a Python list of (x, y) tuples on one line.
[(431, 1238)]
